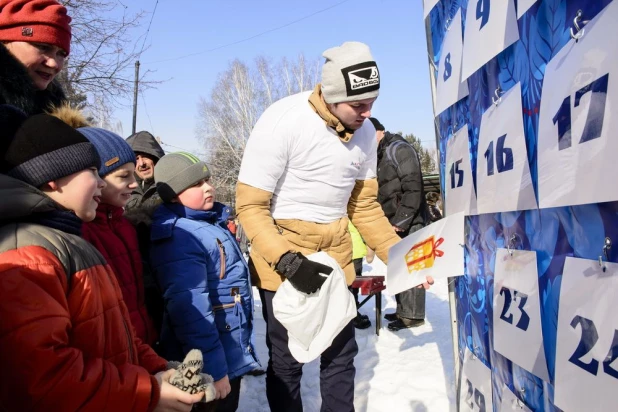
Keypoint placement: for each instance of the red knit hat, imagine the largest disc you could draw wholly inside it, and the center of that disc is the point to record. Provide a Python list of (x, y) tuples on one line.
[(41, 21)]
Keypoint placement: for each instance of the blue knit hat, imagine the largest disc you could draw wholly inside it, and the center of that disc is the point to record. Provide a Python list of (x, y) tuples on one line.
[(112, 149)]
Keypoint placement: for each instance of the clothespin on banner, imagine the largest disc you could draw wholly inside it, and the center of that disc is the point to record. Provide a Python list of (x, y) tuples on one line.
[(579, 30), (521, 405), (510, 244), (498, 93), (473, 353), (447, 24), (606, 248)]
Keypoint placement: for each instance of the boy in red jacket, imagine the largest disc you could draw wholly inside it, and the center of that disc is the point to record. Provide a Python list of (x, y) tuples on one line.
[(111, 233)]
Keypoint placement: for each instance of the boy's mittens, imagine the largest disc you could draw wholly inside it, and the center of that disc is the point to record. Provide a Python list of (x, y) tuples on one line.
[(209, 390), (173, 364), (189, 378)]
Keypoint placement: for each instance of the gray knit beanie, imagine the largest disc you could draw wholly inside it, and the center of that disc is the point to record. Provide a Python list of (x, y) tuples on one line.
[(349, 73), (176, 172)]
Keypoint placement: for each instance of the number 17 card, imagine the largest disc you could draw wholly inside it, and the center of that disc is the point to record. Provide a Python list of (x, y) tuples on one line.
[(577, 143)]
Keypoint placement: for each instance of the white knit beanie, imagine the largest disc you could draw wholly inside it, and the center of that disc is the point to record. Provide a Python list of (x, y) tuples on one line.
[(349, 73)]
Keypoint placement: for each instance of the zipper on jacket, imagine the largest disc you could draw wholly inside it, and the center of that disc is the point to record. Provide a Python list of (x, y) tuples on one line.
[(126, 329), (237, 299), (222, 307), (221, 259)]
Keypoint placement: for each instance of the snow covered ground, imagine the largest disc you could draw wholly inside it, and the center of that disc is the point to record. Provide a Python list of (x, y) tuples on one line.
[(410, 370)]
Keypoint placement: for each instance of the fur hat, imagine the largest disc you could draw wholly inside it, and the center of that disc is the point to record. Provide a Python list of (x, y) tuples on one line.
[(176, 172), (349, 73), (43, 148), (41, 21)]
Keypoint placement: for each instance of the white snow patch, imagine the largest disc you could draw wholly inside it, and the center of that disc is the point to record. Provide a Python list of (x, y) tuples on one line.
[(410, 370)]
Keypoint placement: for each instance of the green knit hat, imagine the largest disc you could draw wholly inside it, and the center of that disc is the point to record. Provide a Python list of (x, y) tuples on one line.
[(176, 172)]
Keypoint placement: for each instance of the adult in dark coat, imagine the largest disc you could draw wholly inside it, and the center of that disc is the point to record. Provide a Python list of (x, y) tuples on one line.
[(402, 197), (35, 38), (139, 209), (148, 152)]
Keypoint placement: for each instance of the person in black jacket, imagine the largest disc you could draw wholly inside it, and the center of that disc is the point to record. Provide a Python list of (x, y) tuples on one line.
[(139, 209), (148, 152), (402, 197)]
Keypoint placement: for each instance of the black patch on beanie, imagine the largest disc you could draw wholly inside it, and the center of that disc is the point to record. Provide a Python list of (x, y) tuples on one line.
[(361, 78)]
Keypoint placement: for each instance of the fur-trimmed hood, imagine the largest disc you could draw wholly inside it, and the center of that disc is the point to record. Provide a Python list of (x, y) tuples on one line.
[(70, 116), (17, 89)]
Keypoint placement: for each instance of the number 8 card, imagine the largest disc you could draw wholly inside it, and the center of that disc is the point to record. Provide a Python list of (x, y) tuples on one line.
[(503, 176), (577, 142), (587, 339)]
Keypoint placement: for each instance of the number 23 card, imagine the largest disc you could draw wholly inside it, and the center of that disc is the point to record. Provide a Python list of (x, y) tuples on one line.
[(517, 330)]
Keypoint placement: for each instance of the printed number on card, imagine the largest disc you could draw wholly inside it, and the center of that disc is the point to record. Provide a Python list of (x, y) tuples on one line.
[(596, 113), (460, 175), (482, 12), (503, 156), (587, 341), (510, 299), (474, 398)]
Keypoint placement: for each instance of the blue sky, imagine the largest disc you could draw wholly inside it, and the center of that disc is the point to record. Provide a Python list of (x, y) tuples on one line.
[(394, 30)]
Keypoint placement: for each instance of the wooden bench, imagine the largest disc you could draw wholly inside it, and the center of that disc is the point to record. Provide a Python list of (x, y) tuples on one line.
[(371, 286)]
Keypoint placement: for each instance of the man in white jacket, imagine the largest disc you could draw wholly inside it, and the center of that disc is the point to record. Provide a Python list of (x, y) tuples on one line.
[(310, 162)]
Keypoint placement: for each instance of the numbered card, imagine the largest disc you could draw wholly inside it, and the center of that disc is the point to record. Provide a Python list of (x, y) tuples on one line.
[(435, 250), (523, 6), (511, 403), (503, 178), (460, 194), (587, 340), (517, 311), (450, 89), (491, 26), (475, 392), (428, 5), (577, 145)]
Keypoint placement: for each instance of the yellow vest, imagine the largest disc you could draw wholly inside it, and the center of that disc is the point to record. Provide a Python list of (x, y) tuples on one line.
[(359, 249)]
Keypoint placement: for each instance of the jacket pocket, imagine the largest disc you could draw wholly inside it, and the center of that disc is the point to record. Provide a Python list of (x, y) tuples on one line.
[(229, 316), (300, 234)]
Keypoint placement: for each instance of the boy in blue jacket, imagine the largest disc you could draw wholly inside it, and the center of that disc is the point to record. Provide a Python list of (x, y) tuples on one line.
[(202, 275)]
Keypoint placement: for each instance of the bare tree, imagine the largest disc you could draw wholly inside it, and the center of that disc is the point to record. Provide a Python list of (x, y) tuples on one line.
[(428, 163), (238, 98), (103, 51)]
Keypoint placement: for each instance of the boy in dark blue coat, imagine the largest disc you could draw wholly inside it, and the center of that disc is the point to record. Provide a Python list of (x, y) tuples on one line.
[(202, 275)]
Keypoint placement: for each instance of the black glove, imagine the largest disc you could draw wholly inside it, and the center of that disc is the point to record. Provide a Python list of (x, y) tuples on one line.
[(305, 275)]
